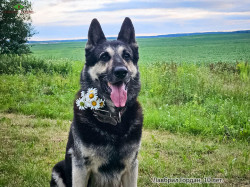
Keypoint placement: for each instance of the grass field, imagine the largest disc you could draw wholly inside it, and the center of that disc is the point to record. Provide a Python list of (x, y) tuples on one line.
[(31, 146), (193, 49), (195, 96)]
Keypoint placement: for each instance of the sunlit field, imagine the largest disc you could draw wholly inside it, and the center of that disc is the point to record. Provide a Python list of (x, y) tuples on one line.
[(195, 98)]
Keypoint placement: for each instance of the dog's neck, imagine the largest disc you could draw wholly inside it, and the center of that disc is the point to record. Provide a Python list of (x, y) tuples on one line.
[(113, 118)]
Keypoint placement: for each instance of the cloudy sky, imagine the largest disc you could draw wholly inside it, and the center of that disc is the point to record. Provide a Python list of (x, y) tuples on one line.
[(70, 19)]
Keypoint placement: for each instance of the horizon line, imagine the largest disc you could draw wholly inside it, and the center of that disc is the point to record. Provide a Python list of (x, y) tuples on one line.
[(139, 35)]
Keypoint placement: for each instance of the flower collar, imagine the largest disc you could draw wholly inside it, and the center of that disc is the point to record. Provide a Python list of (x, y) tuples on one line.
[(90, 100)]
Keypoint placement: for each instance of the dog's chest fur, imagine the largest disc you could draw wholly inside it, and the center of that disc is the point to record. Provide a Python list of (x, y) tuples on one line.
[(106, 158), (106, 162), (104, 153)]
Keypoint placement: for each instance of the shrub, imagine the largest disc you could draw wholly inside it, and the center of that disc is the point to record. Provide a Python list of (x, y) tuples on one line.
[(14, 64)]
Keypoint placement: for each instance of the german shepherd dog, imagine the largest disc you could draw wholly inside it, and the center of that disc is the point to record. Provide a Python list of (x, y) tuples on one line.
[(103, 144)]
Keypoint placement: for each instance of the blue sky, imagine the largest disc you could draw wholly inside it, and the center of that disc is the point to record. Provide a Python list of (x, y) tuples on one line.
[(70, 19)]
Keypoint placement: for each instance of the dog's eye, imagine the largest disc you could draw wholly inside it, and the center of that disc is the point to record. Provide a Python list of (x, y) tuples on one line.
[(105, 57), (126, 56)]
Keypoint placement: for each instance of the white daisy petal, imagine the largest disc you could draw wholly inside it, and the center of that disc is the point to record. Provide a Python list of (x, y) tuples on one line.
[(94, 104), (81, 103), (101, 103), (92, 90), (82, 94), (91, 95), (90, 100), (87, 102)]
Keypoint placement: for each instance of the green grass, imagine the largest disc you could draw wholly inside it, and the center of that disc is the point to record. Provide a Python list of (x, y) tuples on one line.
[(192, 49), (30, 147), (201, 100), (195, 97), (14, 64), (196, 49), (68, 50), (42, 94)]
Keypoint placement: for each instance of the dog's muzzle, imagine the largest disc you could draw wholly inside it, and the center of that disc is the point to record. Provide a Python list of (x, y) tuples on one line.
[(118, 86), (120, 72)]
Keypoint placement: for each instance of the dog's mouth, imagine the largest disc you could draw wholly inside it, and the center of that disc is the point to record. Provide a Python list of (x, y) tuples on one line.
[(118, 93)]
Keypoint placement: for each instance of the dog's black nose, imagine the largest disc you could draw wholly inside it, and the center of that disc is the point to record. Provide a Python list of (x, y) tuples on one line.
[(120, 72)]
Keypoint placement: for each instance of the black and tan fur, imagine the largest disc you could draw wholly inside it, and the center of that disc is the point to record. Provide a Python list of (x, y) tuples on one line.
[(102, 146)]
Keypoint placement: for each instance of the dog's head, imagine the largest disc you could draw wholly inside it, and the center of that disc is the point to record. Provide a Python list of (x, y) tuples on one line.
[(111, 66)]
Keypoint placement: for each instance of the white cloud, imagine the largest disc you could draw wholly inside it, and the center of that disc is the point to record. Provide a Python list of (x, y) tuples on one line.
[(187, 15), (80, 15), (62, 11)]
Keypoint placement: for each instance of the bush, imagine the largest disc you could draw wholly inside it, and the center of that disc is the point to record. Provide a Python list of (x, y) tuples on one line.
[(14, 64)]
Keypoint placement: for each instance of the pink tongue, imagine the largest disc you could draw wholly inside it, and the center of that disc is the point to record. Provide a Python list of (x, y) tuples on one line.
[(118, 95)]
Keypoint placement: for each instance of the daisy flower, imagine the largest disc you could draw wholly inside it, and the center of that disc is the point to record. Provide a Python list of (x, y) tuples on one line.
[(82, 94), (91, 94), (81, 103), (92, 90), (94, 104), (101, 103), (90, 100)]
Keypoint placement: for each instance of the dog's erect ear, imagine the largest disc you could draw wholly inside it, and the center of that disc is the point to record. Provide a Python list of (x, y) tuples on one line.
[(95, 35), (127, 32)]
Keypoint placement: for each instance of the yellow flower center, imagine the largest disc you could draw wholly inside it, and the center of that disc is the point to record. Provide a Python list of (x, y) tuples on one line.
[(93, 103), (81, 103), (101, 103), (91, 96)]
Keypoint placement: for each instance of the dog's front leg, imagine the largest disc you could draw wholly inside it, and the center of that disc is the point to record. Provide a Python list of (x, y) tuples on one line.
[(129, 179), (80, 173)]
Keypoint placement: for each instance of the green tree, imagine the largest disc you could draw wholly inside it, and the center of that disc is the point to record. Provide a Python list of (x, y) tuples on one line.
[(15, 26)]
